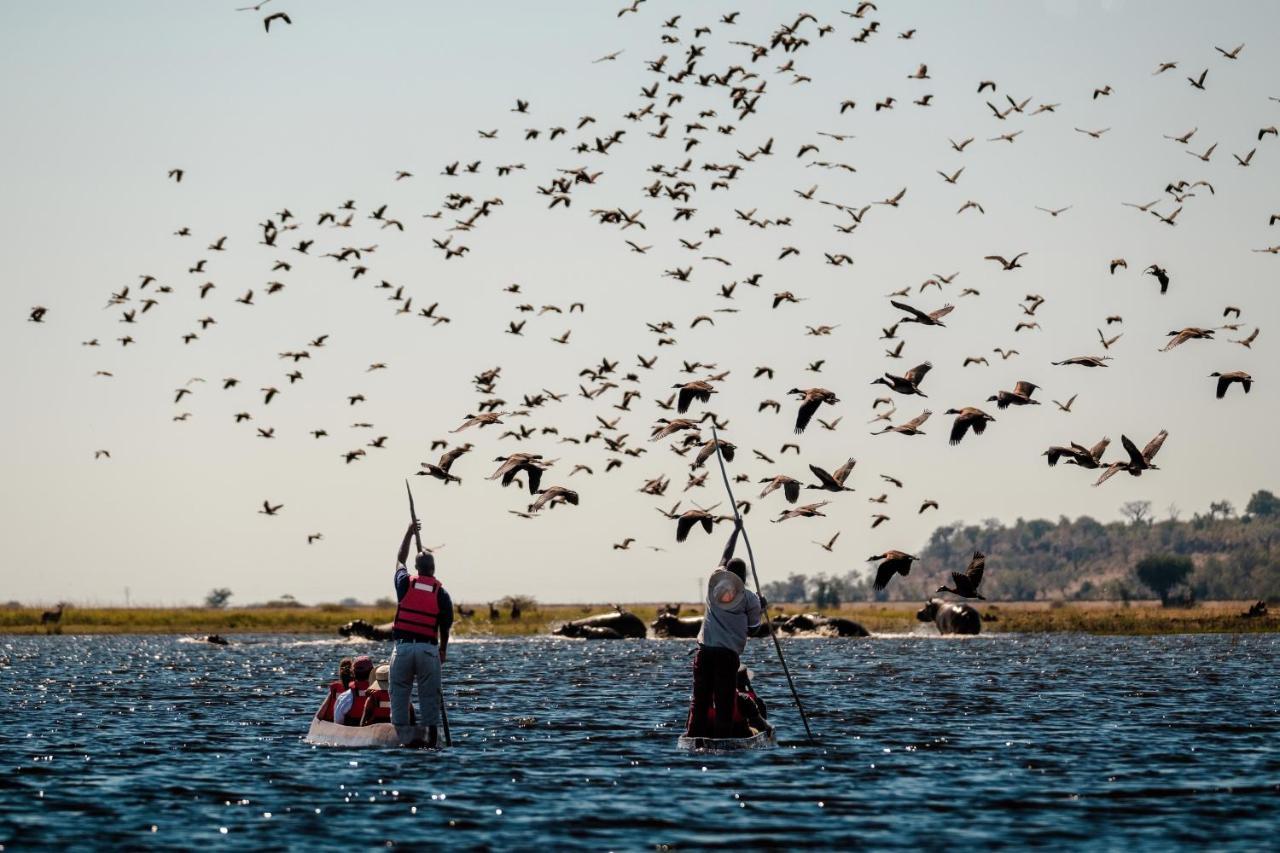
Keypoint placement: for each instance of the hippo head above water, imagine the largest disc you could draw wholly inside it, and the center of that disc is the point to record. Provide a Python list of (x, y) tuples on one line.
[(928, 612), (951, 617)]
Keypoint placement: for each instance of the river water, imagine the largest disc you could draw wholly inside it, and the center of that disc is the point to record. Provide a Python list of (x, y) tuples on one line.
[(1059, 740)]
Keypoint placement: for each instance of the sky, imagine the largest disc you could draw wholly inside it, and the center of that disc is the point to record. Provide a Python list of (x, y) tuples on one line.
[(102, 100)]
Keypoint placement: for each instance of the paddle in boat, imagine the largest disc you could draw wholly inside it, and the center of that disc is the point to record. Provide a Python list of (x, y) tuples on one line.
[(766, 739)]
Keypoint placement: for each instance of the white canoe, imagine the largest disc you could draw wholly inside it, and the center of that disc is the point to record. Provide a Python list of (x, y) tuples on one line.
[(763, 740), (334, 734)]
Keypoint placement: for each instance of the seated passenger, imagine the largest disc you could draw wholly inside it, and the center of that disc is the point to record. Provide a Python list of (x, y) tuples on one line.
[(749, 712), (377, 708), (336, 688), (750, 705), (350, 705)]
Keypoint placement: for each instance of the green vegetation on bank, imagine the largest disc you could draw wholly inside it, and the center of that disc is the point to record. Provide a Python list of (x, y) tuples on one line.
[(1137, 618), (288, 619), (1217, 555), (190, 620)]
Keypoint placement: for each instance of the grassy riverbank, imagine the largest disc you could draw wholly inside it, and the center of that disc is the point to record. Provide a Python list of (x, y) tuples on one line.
[(1138, 618)]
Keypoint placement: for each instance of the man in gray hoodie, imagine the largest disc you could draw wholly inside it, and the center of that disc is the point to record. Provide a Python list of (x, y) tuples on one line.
[(731, 611)]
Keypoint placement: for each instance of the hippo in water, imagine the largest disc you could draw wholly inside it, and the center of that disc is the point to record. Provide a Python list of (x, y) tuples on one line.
[(688, 627), (590, 632), (606, 626), (216, 639), (671, 625), (366, 631), (951, 618), (816, 623)]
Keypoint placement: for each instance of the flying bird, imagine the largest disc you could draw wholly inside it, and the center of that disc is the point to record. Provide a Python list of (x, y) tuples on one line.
[(1138, 461), (968, 581), (1225, 381), (810, 400), (891, 563), (275, 16), (967, 418)]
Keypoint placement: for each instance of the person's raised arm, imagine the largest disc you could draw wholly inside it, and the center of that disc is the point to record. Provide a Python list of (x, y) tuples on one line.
[(414, 527), (733, 543)]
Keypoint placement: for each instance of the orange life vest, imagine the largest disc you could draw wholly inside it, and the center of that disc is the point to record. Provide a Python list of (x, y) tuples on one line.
[(360, 693), (419, 611)]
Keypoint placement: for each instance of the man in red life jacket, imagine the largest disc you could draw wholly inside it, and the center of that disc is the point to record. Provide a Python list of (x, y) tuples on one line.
[(349, 706), (424, 616), (377, 709), (336, 689)]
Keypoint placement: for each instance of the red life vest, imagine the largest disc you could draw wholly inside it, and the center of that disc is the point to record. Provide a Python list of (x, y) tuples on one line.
[(382, 710), (419, 610), (738, 716), (359, 693), (326, 710)]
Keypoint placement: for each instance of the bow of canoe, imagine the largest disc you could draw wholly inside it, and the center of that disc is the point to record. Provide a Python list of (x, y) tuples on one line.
[(323, 733), (762, 740)]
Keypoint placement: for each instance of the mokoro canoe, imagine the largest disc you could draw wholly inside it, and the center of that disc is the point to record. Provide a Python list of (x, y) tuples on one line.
[(763, 740), (333, 734)]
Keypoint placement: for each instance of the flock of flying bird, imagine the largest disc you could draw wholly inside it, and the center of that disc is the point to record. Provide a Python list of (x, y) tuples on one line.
[(686, 106)]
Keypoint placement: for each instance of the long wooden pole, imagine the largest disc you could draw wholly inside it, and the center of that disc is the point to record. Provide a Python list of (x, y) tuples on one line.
[(777, 644), (417, 535)]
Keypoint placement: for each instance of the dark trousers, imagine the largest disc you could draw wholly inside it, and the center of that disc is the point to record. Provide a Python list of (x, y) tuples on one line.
[(715, 683)]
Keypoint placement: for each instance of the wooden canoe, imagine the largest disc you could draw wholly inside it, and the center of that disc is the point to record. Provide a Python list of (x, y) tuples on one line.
[(763, 740), (334, 734)]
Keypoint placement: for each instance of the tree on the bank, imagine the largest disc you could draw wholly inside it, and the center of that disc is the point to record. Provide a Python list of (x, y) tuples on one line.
[(1138, 512), (1223, 508), (518, 604), (792, 590), (1263, 503), (1161, 573), (826, 592), (217, 598)]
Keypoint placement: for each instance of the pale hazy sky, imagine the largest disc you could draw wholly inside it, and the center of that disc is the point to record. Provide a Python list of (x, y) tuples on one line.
[(101, 99)]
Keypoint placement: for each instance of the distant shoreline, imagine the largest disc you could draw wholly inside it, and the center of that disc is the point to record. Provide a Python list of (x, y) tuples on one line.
[(1029, 617)]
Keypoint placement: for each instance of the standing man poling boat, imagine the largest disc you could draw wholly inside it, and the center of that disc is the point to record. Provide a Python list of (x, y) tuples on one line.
[(424, 616), (732, 611)]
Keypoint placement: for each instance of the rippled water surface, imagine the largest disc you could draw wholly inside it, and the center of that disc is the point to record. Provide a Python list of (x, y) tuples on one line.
[(925, 742)]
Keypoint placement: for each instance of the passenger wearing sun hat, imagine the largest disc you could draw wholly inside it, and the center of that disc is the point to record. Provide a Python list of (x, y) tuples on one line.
[(377, 708)]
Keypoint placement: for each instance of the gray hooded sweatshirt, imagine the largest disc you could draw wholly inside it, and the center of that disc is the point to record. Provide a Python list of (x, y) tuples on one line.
[(731, 611)]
